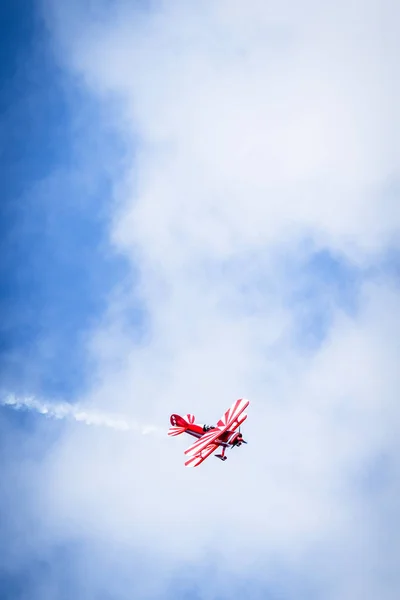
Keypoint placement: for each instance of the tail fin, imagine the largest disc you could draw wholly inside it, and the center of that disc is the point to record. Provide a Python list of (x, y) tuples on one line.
[(180, 424)]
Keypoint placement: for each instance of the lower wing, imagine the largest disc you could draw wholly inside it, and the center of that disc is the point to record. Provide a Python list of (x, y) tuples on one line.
[(203, 442), (198, 458)]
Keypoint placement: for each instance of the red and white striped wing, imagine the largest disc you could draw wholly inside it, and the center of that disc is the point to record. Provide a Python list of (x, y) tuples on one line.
[(203, 442), (195, 461), (237, 423), (230, 418)]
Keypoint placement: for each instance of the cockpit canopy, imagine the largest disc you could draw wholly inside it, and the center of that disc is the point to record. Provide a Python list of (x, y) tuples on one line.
[(208, 427)]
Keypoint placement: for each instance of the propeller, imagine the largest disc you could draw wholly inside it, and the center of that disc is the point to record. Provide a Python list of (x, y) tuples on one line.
[(242, 440), (232, 447)]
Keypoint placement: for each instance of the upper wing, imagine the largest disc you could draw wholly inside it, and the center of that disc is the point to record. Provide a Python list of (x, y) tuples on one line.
[(229, 420), (197, 459), (238, 422)]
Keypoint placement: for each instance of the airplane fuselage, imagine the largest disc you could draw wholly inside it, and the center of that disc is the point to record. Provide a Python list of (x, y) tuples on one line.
[(226, 439)]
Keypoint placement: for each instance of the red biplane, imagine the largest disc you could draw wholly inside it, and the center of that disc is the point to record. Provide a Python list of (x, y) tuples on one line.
[(222, 435)]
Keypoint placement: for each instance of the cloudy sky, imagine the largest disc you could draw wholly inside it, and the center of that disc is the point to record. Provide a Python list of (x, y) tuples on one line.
[(200, 202)]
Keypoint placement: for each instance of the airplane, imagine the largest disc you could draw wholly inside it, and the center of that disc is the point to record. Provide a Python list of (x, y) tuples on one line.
[(209, 438)]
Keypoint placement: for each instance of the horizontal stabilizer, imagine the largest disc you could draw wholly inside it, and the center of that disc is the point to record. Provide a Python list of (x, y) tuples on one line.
[(176, 430), (180, 424)]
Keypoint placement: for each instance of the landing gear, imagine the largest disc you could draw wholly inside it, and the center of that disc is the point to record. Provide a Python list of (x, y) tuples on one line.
[(221, 456)]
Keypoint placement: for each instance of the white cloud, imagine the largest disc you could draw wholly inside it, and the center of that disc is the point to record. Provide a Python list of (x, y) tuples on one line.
[(257, 128)]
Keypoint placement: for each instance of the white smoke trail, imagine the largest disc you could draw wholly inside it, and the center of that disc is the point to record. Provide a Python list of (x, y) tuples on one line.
[(63, 410)]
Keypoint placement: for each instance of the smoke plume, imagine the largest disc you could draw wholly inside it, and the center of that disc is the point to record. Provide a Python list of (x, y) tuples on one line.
[(64, 410)]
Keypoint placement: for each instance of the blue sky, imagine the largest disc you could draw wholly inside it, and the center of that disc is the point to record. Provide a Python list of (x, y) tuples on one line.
[(191, 213), (56, 265)]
